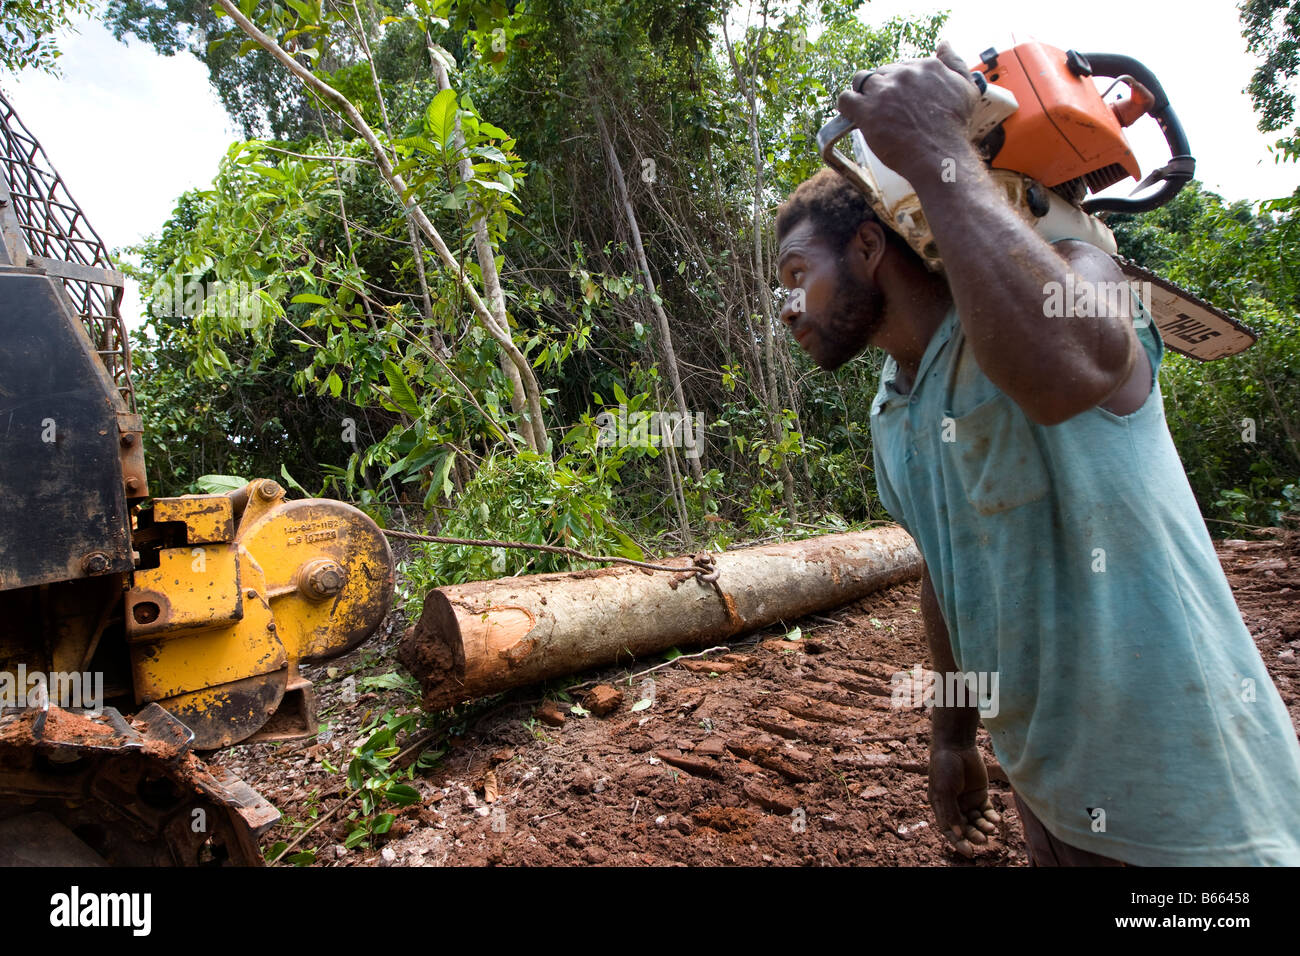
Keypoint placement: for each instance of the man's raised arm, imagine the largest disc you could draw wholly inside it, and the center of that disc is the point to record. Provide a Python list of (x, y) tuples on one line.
[(914, 116)]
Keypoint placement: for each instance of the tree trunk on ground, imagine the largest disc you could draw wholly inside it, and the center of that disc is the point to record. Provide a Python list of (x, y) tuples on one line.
[(489, 636)]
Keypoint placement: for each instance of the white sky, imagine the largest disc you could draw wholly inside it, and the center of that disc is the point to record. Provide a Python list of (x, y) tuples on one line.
[(130, 130), (127, 129)]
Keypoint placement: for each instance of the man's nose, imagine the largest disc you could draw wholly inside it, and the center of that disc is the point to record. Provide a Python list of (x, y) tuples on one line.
[(788, 315)]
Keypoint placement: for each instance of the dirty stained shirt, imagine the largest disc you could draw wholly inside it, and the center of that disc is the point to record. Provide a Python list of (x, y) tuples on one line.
[(1134, 715)]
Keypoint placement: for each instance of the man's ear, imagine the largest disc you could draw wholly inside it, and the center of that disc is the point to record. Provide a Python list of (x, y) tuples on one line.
[(869, 244)]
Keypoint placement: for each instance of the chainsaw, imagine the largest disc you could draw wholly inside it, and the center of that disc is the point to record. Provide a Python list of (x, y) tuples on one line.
[(1050, 139)]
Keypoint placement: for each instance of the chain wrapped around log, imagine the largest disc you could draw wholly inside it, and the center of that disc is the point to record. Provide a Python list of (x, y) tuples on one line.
[(490, 636)]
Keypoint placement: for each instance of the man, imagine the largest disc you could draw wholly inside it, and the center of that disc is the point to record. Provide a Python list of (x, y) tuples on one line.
[(1065, 554)]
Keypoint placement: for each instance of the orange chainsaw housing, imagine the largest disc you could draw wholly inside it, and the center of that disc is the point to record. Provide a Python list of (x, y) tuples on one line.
[(1063, 129)]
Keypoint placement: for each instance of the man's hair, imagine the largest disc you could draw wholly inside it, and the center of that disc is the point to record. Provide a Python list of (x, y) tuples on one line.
[(836, 210)]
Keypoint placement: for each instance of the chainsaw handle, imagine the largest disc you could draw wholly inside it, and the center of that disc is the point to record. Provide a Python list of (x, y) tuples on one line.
[(1178, 172), (995, 104), (830, 134)]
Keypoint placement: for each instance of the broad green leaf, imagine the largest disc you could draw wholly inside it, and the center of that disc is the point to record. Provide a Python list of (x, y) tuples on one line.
[(442, 478), (271, 303), (424, 459), (627, 548), (302, 10), (440, 117), (492, 153), (403, 794), (291, 481), (390, 681), (400, 390), (220, 484)]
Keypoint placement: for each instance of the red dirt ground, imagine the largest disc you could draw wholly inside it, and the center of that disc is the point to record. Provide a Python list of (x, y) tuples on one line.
[(778, 752)]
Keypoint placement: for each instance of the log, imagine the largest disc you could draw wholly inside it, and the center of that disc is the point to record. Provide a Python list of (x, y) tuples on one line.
[(489, 636)]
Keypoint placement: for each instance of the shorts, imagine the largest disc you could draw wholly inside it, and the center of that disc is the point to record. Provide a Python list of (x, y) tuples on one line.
[(1046, 850)]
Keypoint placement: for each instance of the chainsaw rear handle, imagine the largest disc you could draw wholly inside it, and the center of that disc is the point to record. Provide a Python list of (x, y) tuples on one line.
[(831, 133), (995, 105), (1175, 174)]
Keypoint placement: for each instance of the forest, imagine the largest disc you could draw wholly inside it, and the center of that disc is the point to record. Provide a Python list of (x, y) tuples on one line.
[(571, 226)]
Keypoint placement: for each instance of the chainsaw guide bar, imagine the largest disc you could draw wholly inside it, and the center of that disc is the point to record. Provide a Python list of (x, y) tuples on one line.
[(1188, 325)]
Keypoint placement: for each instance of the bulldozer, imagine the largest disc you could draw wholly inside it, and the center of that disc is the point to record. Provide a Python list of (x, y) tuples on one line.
[(136, 632)]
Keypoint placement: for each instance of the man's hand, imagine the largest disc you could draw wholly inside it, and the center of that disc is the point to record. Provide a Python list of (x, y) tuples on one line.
[(915, 113), (959, 796)]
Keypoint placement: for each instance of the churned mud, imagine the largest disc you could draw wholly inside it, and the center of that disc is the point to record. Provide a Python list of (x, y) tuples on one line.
[(769, 752)]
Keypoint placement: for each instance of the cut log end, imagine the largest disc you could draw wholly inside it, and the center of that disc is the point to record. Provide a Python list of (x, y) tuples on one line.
[(433, 649)]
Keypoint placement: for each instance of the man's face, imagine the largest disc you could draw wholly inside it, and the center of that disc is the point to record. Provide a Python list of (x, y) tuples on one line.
[(833, 308)]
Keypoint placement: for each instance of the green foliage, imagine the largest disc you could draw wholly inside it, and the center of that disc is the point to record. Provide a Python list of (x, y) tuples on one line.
[(1272, 31), (1267, 502), (309, 331), (219, 484), (371, 772), (523, 498), (1235, 421), (301, 858), (799, 77), (391, 681), (27, 32)]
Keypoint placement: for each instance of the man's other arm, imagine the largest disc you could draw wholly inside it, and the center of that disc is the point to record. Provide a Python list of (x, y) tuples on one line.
[(959, 784), (953, 726)]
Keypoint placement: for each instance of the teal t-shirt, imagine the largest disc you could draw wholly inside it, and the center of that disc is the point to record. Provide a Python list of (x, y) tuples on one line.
[(1133, 713)]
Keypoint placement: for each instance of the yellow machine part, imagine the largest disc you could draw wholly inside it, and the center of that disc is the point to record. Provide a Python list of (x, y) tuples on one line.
[(224, 683), (192, 587), (217, 629), (208, 518), (328, 567)]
